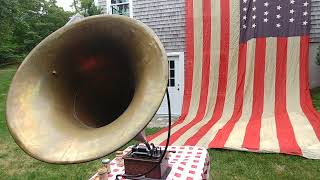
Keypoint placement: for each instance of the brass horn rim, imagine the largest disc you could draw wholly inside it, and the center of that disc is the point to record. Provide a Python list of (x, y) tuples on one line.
[(16, 115)]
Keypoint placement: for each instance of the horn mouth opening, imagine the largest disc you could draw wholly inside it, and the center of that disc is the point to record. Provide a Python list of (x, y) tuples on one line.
[(103, 82)]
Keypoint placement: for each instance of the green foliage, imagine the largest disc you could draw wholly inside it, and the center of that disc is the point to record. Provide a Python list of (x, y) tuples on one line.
[(7, 45), (24, 23), (86, 7), (315, 93)]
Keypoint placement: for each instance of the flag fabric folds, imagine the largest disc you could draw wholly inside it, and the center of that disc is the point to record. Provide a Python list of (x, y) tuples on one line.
[(246, 84)]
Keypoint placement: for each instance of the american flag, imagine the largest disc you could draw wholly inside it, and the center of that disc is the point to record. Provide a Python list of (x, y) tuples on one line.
[(247, 78), (274, 18)]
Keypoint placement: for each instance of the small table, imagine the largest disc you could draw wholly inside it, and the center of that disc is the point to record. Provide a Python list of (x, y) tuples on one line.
[(188, 162)]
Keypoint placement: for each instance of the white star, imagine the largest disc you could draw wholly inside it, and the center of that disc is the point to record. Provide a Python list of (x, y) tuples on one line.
[(244, 17), (305, 13), (304, 23), (244, 9), (278, 16), (278, 25), (291, 11), (254, 17), (279, 7), (305, 4), (244, 1), (291, 20), (265, 20), (292, 2), (244, 26), (254, 8), (266, 13), (254, 25), (266, 4)]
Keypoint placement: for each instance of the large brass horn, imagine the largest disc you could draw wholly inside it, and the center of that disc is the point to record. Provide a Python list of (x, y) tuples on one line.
[(87, 89)]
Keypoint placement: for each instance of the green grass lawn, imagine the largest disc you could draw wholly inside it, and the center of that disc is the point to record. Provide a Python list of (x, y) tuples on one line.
[(15, 164)]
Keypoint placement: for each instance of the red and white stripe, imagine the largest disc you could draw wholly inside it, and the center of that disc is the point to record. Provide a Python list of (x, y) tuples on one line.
[(252, 96)]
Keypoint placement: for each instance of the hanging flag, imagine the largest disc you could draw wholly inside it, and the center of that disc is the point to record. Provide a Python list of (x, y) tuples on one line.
[(247, 78)]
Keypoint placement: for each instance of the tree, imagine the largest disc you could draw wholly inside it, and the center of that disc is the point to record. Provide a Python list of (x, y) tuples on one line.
[(8, 10), (24, 23), (39, 18), (86, 7), (77, 6)]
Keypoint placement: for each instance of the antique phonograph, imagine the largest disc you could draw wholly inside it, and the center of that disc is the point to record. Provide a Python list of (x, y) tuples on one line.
[(88, 89)]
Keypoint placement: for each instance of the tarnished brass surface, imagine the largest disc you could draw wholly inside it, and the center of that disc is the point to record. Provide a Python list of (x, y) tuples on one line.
[(87, 89)]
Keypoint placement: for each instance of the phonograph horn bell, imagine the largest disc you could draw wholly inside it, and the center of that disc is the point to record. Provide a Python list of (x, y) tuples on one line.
[(87, 89)]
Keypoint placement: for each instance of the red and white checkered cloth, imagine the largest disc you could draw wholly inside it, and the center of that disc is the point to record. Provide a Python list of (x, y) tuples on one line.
[(188, 162)]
